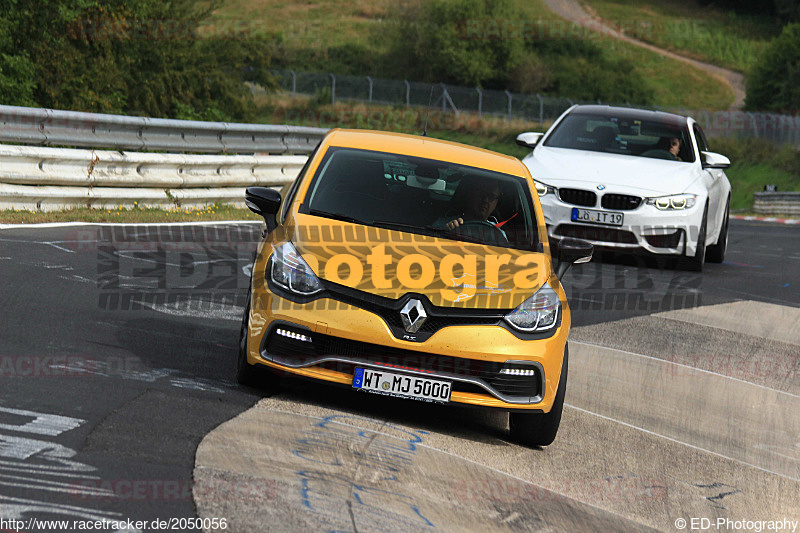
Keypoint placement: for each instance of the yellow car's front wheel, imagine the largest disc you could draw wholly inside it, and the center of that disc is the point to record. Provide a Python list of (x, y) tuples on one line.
[(539, 429), (253, 375)]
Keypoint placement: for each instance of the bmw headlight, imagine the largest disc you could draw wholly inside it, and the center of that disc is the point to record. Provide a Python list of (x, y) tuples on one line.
[(676, 201), (289, 271), (537, 313), (542, 189)]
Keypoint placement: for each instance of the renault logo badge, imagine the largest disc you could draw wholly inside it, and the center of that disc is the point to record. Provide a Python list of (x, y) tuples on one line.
[(601, 187), (413, 315)]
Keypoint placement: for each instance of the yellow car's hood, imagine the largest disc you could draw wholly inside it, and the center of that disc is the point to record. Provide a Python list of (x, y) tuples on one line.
[(393, 263)]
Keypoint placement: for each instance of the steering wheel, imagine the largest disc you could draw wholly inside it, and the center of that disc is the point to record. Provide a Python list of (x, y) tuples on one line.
[(477, 229)]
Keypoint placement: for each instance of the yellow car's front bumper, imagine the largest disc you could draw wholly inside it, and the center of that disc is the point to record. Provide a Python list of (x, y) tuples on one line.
[(340, 337)]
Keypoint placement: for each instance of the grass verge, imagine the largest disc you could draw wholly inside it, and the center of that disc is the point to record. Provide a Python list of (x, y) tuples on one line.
[(348, 38), (721, 37), (133, 215)]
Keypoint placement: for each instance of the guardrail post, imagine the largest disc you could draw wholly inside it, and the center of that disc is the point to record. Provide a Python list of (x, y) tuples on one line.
[(333, 88), (509, 103), (408, 93), (480, 102), (370, 89), (541, 109), (294, 83)]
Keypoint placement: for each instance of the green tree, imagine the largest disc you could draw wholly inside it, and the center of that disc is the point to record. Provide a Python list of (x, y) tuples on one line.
[(581, 70), (144, 57), (432, 40), (774, 83)]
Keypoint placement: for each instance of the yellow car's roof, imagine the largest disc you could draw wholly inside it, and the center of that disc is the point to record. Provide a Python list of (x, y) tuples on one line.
[(426, 147)]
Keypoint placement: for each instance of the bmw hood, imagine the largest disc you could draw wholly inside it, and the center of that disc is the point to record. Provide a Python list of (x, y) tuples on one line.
[(641, 176)]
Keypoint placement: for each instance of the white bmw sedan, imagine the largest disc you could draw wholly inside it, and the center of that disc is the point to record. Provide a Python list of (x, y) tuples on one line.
[(626, 178)]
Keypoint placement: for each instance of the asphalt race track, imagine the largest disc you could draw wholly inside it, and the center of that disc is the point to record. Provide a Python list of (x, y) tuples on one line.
[(118, 400)]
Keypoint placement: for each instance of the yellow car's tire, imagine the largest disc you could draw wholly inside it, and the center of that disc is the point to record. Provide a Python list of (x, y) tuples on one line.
[(253, 375), (540, 429)]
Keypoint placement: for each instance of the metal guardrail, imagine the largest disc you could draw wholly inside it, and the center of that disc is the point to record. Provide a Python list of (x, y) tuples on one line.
[(50, 127), (37, 178), (773, 203), (44, 177)]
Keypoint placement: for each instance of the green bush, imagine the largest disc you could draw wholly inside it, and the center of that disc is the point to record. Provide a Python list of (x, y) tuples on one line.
[(429, 42), (466, 42), (138, 57), (755, 163), (579, 68), (774, 83)]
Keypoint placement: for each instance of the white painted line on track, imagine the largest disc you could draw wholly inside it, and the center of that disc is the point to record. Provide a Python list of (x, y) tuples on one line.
[(46, 225), (671, 439), (689, 367), (690, 405), (788, 221), (47, 243)]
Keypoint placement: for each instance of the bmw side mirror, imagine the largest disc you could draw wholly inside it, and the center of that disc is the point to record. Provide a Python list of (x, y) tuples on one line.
[(714, 160), (529, 139), (265, 202), (572, 251)]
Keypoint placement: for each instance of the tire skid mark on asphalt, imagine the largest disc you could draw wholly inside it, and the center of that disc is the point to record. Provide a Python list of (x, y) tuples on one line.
[(173, 378), (198, 309)]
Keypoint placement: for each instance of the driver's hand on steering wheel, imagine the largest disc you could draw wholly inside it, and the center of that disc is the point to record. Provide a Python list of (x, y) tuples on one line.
[(453, 224)]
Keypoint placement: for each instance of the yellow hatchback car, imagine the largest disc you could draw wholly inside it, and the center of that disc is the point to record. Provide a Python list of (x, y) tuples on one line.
[(412, 267)]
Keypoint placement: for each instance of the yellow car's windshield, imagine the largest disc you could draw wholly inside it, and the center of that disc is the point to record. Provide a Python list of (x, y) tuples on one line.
[(424, 196)]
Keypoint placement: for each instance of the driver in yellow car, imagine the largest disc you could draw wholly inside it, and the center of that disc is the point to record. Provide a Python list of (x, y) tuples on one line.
[(480, 202)]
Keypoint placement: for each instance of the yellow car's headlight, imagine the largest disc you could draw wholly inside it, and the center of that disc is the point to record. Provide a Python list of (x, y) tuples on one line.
[(537, 313), (290, 272)]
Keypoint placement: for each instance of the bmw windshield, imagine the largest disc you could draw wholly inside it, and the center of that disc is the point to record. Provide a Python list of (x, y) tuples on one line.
[(625, 135)]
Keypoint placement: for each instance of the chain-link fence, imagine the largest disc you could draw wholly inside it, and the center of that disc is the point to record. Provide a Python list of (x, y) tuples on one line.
[(504, 104)]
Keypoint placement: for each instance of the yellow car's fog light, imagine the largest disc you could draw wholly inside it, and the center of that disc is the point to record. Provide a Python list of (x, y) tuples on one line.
[(292, 335), (537, 313), (518, 371)]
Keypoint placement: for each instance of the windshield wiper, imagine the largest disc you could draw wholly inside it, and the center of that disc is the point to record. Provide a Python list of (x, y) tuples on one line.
[(337, 216)]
